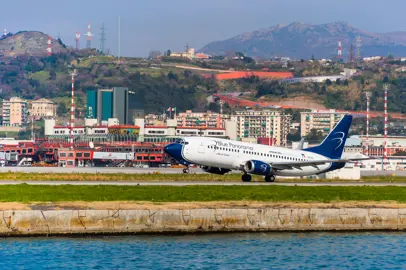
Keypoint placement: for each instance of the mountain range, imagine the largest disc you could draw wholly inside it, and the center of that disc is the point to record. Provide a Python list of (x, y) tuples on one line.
[(302, 41)]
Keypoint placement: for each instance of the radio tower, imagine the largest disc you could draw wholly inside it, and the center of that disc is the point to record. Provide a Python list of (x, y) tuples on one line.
[(89, 37), (49, 48), (358, 54), (368, 96), (385, 144), (340, 50), (77, 41), (72, 109), (102, 38), (351, 56)]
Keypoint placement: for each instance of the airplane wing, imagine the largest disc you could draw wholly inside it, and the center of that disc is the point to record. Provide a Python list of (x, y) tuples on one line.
[(311, 163)]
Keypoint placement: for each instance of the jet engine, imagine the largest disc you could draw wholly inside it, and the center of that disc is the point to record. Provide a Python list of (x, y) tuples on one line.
[(215, 170), (257, 167)]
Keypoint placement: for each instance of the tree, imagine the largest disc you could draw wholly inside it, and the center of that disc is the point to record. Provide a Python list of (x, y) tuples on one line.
[(338, 81), (385, 79), (52, 75), (62, 110), (328, 82), (315, 136)]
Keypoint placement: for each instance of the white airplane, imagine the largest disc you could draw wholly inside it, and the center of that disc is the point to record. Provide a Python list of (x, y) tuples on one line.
[(220, 156)]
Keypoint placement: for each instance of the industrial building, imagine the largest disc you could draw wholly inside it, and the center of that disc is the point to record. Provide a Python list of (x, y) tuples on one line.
[(322, 120), (116, 102)]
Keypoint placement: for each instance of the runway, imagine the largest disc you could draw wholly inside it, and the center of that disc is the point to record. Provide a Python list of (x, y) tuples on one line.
[(201, 183), (102, 170), (161, 170)]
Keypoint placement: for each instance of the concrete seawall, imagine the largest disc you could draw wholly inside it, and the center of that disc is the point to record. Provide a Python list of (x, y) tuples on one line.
[(60, 222)]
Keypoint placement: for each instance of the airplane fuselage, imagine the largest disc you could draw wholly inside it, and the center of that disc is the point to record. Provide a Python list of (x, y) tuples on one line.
[(228, 154)]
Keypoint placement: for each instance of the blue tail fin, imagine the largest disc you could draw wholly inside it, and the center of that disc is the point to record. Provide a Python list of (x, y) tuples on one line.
[(333, 145)]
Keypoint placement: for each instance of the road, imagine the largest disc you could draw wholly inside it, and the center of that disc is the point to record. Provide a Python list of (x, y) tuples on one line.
[(180, 184)]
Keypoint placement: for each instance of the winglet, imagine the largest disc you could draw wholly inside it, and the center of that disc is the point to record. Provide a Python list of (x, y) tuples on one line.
[(333, 145)]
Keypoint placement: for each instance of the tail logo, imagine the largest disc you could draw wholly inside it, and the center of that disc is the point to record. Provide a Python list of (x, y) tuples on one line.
[(340, 139)]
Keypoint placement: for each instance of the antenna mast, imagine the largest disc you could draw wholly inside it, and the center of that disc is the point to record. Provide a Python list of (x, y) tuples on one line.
[(89, 36), (358, 54), (119, 38), (72, 109), (49, 48), (368, 96), (77, 41), (102, 38), (352, 62), (385, 150)]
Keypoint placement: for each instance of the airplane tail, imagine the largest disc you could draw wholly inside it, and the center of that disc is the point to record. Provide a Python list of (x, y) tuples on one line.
[(333, 145)]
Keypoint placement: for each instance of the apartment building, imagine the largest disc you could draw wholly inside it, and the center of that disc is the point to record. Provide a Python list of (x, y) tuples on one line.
[(262, 124), (199, 119), (42, 108), (15, 112), (322, 120)]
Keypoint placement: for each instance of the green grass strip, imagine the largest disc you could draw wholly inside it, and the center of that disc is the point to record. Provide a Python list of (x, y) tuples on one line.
[(37, 193)]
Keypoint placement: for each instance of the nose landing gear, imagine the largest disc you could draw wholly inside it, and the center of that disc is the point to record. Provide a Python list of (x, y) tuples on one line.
[(186, 170)]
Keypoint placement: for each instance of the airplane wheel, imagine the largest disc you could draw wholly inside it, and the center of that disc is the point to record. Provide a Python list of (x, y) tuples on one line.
[(270, 178), (186, 170), (246, 178)]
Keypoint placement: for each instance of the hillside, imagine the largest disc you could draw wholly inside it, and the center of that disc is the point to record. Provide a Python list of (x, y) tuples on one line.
[(159, 84), (299, 40), (29, 43)]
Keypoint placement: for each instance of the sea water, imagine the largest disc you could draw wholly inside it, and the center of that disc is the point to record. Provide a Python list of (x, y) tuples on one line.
[(379, 250)]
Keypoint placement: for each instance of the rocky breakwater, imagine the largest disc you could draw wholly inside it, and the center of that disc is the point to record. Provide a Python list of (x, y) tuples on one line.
[(200, 218)]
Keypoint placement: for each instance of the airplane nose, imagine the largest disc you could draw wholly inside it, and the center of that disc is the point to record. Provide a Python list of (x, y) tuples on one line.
[(167, 149), (171, 149), (174, 150)]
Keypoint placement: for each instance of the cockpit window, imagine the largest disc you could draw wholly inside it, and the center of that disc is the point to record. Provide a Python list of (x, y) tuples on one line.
[(180, 141)]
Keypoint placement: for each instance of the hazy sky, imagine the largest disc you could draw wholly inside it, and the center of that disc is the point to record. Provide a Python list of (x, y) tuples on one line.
[(168, 24)]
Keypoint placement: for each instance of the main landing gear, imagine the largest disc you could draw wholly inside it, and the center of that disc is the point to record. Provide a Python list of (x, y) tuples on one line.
[(246, 177), (270, 178), (186, 170)]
